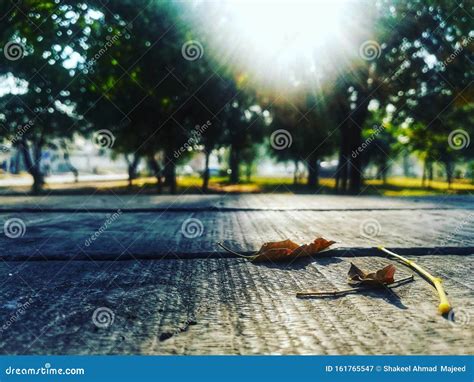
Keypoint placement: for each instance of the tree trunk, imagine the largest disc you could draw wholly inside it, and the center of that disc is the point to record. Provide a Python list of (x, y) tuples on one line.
[(355, 168), (423, 176), (205, 175), (340, 169), (406, 166), (156, 169), (75, 173), (234, 162), (33, 166), (295, 173), (430, 171), (356, 123), (132, 168), (313, 171), (248, 172), (16, 161), (382, 173), (71, 167), (344, 158), (38, 182), (449, 172), (170, 175)]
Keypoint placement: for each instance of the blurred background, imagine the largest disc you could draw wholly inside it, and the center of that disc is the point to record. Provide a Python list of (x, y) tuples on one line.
[(347, 97)]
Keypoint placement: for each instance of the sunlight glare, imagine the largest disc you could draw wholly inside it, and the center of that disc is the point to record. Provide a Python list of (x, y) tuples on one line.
[(281, 42)]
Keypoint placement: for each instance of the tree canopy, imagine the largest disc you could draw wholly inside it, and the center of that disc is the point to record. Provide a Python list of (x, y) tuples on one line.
[(145, 80)]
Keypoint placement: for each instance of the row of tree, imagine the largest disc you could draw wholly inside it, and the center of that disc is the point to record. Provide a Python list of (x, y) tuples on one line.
[(137, 69)]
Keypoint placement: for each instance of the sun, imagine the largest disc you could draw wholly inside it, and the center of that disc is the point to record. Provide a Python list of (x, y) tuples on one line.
[(280, 42), (285, 29)]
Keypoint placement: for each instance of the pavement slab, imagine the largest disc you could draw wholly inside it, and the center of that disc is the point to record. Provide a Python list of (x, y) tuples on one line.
[(170, 234), (191, 202)]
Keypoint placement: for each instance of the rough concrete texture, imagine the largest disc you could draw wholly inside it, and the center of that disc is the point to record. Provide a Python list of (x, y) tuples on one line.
[(230, 201), (170, 291), (230, 306)]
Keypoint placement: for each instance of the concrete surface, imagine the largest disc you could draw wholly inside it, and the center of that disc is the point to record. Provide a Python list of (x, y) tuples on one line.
[(170, 290)]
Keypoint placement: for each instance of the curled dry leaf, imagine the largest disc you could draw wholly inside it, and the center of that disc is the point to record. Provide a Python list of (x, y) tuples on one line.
[(381, 277), (289, 250)]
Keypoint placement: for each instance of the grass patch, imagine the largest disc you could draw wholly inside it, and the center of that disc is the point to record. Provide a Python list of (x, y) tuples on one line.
[(395, 186), (401, 186)]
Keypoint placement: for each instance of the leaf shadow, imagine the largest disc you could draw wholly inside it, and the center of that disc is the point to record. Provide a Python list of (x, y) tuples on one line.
[(389, 296)]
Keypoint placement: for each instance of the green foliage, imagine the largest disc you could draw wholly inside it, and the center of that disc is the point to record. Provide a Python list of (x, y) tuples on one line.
[(123, 66)]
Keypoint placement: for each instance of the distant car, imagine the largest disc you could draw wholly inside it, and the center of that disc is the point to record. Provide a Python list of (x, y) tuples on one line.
[(214, 171)]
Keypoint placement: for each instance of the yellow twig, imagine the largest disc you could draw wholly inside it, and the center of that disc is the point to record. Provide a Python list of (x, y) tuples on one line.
[(444, 306)]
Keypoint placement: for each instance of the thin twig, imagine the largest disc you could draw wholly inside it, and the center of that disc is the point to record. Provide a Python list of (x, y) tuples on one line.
[(353, 290), (444, 306)]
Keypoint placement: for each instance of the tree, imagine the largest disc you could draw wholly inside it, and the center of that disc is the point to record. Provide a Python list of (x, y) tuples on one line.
[(244, 123), (427, 72), (302, 133), (134, 86), (41, 61), (215, 91)]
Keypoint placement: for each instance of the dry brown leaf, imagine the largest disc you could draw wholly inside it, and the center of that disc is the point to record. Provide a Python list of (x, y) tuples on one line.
[(316, 246), (286, 244), (381, 277), (289, 250)]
